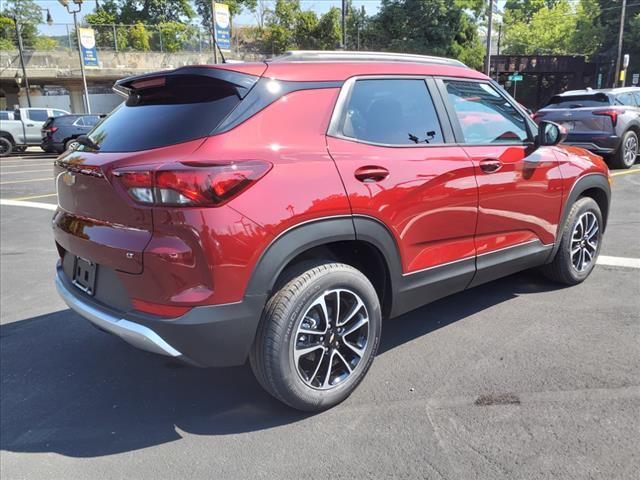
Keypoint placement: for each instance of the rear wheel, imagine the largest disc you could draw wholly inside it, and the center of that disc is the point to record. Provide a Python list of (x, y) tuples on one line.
[(6, 147), (318, 337), (580, 244), (71, 144), (627, 154)]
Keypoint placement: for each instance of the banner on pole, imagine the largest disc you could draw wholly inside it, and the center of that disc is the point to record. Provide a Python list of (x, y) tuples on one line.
[(222, 25), (88, 47)]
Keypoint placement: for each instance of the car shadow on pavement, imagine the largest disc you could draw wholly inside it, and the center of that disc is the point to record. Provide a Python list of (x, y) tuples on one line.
[(73, 390)]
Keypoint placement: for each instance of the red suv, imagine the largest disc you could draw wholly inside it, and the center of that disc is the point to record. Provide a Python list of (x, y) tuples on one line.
[(279, 211)]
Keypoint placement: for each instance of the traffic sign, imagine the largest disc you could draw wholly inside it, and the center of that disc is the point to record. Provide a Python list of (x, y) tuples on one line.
[(516, 77), (635, 79)]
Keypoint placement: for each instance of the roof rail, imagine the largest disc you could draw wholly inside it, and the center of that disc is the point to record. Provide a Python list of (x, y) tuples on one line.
[(359, 56)]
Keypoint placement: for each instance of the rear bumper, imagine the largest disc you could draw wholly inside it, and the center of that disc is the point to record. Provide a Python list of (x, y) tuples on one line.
[(206, 336), (49, 145), (602, 144)]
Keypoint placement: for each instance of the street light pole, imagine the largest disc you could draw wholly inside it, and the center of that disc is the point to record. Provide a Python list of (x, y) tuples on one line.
[(487, 57), (65, 3), (620, 37), (24, 70)]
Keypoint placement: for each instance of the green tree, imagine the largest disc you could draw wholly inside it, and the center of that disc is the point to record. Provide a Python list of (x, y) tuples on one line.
[(562, 29), (524, 9), (139, 38), (280, 25), (175, 35), (150, 11), (436, 27), (29, 14), (101, 21), (328, 32)]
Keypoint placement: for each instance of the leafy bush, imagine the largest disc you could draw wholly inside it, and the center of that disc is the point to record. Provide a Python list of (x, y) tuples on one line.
[(139, 38)]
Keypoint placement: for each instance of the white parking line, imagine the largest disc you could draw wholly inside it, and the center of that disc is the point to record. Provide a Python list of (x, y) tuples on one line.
[(25, 171), (619, 261), (29, 180), (602, 259), (22, 203)]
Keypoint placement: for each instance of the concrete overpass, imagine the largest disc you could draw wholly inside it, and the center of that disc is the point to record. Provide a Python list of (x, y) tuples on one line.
[(62, 68)]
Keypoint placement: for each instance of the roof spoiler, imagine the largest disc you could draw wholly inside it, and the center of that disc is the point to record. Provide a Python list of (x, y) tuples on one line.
[(242, 81)]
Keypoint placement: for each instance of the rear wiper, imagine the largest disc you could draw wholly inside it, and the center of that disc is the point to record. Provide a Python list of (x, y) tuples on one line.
[(576, 105), (87, 142)]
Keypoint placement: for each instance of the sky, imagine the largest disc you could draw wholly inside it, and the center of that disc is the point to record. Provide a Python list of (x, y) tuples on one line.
[(60, 15)]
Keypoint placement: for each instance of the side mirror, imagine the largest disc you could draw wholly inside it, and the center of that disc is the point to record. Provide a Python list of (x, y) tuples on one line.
[(550, 133)]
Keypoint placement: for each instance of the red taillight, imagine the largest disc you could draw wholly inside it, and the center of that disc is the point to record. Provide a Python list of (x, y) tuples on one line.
[(191, 184), (537, 115), (51, 129), (159, 309), (612, 114)]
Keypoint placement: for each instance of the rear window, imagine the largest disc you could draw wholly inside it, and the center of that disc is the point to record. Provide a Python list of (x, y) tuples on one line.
[(185, 108), (579, 101)]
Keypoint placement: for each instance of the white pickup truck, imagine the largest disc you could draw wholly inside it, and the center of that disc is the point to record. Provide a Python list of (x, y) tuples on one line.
[(20, 128)]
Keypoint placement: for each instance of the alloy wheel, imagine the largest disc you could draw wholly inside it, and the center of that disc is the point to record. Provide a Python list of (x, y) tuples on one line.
[(630, 150), (584, 241), (331, 339)]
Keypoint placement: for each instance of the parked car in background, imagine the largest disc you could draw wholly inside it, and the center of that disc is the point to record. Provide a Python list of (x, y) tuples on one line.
[(61, 133), (606, 122), (280, 212), (20, 128)]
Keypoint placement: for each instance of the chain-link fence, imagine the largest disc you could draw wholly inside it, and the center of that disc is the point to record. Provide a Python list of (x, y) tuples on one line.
[(170, 37)]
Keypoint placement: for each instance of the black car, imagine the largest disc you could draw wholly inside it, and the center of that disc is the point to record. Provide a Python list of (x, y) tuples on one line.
[(60, 133)]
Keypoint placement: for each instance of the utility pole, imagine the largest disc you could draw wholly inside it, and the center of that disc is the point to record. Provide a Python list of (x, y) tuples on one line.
[(487, 57), (344, 25), (24, 70), (213, 33), (620, 36)]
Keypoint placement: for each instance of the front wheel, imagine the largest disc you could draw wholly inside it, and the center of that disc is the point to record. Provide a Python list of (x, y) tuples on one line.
[(579, 245), (318, 336)]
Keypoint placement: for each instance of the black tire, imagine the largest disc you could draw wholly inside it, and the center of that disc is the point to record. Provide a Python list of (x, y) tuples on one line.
[(69, 143), (624, 157), (6, 147), (272, 355), (563, 269)]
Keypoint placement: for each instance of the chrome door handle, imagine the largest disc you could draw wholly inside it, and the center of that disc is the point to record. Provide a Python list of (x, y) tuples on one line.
[(371, 173), (490, 165)]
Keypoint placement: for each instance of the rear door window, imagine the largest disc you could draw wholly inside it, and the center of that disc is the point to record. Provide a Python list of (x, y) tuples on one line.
[(4, 115), (184, 108), (391, 112), (38, 115), (637, 97), (91, 121), (484, 115)]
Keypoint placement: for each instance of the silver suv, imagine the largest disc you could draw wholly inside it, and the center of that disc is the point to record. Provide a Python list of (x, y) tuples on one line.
[(606, 122)]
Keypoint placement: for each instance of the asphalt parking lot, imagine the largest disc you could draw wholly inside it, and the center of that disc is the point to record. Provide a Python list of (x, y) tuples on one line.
[(518, 378)]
